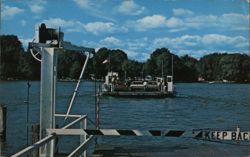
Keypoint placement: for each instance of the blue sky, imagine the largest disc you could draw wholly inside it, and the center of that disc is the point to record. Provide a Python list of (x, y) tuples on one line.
[(138, 27)]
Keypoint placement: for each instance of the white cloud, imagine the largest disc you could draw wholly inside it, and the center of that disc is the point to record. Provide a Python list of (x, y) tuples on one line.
[(178, 42), (230, 21), (211, 42), (82, 3), (99, 27), (149, 22), (58, 22), (9, 12), (23, 22), (198, 46), (126, 46), (111, 41), (174, 22), (95, 8), (95, 28), (129, 7), (222, 40), (182, 12), (238, 21), (37, 6), (137, 44), (201, 21), (66, 25)]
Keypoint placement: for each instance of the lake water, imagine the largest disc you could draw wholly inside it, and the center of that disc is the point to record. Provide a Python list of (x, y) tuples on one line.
[(197, 105)]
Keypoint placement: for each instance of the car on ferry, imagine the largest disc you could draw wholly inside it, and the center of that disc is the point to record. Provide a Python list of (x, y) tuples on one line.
[(138, 85), (152, 86)]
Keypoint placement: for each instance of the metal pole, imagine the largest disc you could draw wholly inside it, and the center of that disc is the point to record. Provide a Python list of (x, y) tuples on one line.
[(27, 113), (97, 108), (47, 95), (77, 85), (83, 138)]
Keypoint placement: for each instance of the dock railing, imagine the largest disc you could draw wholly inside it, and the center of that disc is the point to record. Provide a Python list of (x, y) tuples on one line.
[(49, 141)]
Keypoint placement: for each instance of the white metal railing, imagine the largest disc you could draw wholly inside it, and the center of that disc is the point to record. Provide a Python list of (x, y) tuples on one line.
[(84, 117), (36, 145), (70, 116), (78, 151), (48, 141)]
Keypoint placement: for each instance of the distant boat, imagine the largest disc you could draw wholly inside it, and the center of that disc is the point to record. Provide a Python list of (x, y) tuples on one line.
[(158, 88), (211, 82), (223, 81)]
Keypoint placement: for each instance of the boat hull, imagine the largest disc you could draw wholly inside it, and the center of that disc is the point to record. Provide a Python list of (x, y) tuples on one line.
[(139, 94)]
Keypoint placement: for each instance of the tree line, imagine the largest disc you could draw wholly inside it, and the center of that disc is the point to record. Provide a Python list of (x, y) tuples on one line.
[(16, 63)]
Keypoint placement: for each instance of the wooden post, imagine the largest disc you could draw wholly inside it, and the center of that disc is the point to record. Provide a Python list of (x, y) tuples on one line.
[(3, 111), (35, 137)]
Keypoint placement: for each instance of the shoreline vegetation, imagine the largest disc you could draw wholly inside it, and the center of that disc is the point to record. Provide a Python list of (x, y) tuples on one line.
[(18, 64)]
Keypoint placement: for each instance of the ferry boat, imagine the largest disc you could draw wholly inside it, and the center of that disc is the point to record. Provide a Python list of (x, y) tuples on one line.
[(158, 87)]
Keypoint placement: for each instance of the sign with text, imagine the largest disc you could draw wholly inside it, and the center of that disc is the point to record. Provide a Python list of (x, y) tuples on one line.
[(224, 135)]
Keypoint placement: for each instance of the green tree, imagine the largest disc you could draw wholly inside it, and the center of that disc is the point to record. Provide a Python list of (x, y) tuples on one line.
[(235, 67), (75, 70), (11, 49), (132, 68), (189, 68), (160, 63), (28, 67), (115, 60), (209, 66), (100, 68), (64, 62), (117, 57)]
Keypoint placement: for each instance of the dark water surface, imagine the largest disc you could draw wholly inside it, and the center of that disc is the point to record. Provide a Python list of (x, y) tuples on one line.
[(224, 106)]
